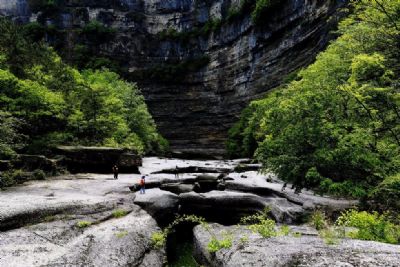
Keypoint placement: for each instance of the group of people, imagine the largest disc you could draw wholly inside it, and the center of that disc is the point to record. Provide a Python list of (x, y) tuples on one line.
[(142, 181)]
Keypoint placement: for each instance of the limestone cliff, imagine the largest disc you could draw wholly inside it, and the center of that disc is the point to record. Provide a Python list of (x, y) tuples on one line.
[(199, 63)]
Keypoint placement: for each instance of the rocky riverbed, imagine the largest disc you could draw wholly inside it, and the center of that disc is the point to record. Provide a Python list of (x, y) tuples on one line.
[(94, 220)]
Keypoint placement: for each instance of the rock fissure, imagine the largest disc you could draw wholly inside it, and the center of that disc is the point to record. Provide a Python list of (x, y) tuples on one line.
[(102, 239)]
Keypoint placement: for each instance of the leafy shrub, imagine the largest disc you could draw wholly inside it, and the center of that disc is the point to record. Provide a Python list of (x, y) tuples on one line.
[(318, 220), (39, 175), (83, 224), (370, 226), (330, 235)]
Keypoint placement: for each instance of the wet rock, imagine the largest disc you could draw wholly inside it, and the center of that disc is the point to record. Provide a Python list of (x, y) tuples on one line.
[(308, 250)]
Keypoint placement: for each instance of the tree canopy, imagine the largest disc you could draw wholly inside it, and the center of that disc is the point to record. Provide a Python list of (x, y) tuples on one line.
[(336, 127), (44, 102)]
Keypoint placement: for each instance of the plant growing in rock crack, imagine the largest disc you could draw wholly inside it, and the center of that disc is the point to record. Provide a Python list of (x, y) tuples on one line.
[(284, 230), (118, 213), (216, 244), (83, 224), (260, 223), (318, 220), (330, 235)]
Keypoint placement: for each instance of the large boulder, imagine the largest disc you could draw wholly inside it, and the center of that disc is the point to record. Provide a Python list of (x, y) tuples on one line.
[(161, 205), (99, 159), (308, 250), (229, 207), (122, 241)]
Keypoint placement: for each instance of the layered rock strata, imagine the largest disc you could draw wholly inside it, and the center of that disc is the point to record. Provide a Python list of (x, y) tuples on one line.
[(199, 63)]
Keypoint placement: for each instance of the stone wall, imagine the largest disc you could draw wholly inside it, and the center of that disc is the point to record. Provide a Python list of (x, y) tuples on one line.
[(196, 82)]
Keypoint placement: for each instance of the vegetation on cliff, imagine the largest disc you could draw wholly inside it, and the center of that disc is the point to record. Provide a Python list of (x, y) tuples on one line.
[(44, 102), (336, 127)]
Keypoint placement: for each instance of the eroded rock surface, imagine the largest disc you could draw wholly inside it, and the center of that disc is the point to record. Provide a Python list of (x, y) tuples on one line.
[(308, 250), (225, 196), (73, 220), (39, 220)]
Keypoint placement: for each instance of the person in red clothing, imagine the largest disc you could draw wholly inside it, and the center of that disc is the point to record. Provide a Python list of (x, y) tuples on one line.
[(142, 185)]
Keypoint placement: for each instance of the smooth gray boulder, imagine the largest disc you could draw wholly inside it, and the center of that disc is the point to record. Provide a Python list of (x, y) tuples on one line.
[(287, 251), (161, 205)]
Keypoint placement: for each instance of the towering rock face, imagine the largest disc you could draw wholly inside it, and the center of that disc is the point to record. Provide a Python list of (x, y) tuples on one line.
[(199, 63)]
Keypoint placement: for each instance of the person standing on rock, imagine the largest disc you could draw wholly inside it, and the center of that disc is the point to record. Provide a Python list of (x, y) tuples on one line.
[(115, 171), (142, 185), (176, 172)]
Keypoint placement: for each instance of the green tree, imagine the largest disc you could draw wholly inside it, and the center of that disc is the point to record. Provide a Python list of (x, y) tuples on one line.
[(336, 127)]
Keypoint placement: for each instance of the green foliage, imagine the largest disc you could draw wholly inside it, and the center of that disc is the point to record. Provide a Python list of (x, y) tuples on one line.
[(97, 33), (118, 213), (336, 126), (284, 230), (39, 175), (260, 9), (83, 224), (260, 223), (10, 138), (386, 196), (159, 238), (44, 102), (318, 220), (330, 235), (11, 177), (297, 234), (216, 244), (184, 256), (370, 226)]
